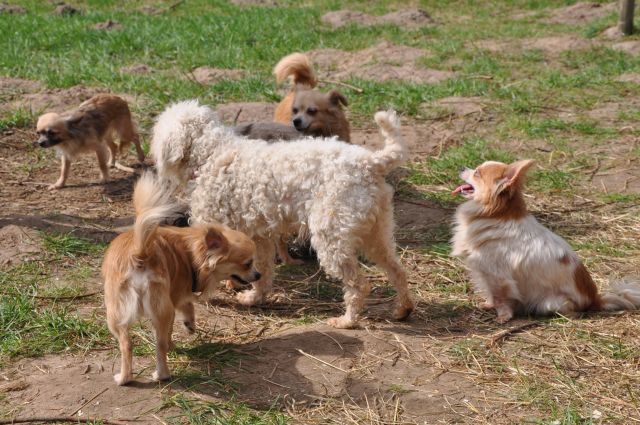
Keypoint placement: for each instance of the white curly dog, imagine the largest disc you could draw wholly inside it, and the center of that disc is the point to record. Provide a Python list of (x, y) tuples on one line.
[(333, 191)]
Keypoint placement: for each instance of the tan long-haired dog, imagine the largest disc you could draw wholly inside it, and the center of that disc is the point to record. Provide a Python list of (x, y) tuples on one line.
[(310, 111), (90, 128), (517, 264), (155, 271)]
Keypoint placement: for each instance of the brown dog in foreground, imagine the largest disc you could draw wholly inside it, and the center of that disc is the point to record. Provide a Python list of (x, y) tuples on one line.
[(156, 271), (90, 128), (310, 111)]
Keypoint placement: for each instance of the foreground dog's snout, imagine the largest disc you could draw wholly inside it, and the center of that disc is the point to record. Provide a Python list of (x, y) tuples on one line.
[(255, 276)]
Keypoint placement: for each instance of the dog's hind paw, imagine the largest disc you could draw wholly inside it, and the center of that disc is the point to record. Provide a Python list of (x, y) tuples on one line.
[(402, 312), (160, 376), (122, 379), (250, 297), (342, 322), (189, 326)]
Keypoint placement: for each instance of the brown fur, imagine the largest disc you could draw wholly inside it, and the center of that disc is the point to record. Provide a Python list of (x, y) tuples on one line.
[(90, 128), (269, 131), (149, 271), (587, 287), (309, 110)]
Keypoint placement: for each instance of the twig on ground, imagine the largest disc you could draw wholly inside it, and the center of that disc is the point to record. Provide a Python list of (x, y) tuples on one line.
[(322, 361), (88, 401), (499, 336)]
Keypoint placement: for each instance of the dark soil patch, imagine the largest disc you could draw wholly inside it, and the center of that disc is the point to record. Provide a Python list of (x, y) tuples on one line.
[(66, 10), (382, 62), (18, 244), (12, 9), (137, 69), (580, 13), (242, 112), (206, 75), (408, 18), (108, 25)]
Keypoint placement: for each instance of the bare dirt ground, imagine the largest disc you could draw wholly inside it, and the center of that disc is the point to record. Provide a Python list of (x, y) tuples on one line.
[(407, 18)]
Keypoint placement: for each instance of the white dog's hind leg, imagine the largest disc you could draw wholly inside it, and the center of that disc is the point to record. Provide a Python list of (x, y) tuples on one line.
[(379, 246), (265, 252), (356, 289)]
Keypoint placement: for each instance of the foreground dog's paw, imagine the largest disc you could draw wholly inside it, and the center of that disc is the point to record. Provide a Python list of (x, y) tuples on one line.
[(189, 326), (160, 376), (250, 297), (402, 312), (55, 186), (341, 322), (122, 379)]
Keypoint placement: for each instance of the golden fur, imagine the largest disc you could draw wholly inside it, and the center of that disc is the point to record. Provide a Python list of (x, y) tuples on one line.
[(90, 128), (154, 271), (310, 111)]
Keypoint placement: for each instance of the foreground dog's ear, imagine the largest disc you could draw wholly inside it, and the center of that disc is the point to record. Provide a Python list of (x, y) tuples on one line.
[(514, 176), (336, 98), (217, 246)]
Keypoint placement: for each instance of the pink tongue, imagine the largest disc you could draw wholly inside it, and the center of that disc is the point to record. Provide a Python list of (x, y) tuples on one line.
[(461, 188)]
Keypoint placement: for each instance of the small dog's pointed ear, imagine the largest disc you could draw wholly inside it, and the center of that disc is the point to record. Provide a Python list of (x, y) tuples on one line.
[(337, 98), (217, 245), (73, 120), (516, 171)]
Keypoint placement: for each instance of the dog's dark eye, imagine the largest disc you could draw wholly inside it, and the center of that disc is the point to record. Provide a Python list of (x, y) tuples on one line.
[(51, 133), (312, 111), (294, 110), (248, 265)]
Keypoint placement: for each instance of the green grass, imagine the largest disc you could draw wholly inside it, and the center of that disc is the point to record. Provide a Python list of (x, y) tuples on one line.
[(33, 327), (221, 413), (17, 118), (68, 245)]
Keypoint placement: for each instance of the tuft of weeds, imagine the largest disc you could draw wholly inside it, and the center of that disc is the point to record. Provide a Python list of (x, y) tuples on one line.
[(17, 118), (69, 245)]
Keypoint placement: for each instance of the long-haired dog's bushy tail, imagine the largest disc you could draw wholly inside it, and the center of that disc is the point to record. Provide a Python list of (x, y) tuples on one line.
[(154, 203), (174, 134), (298, 66), (394, 152), (623, 295)]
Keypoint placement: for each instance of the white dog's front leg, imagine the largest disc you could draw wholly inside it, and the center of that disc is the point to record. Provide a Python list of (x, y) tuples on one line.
[(264, 264)]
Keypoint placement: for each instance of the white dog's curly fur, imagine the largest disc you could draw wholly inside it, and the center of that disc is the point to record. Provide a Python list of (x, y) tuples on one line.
[(332, 191)]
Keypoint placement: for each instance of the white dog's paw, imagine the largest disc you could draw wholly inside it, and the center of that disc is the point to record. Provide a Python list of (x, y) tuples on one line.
[(121, 379), (342, 322), (157, 376), (250, 297)]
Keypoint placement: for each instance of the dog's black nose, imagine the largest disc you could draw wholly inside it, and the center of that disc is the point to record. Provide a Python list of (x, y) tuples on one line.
[(257, 276), (297, 122), (462, 169)]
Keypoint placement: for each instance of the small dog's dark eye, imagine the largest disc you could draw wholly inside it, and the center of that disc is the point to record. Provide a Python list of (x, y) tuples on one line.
[(294, 110), (249, 264), (51, 133), (312, 111)]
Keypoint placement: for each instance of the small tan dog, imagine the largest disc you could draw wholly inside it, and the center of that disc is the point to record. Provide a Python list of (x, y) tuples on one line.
[(155, 271), (310, 111), (90, 128), (517, 264)]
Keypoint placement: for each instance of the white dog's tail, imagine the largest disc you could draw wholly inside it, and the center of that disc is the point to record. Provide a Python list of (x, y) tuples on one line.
[(298, 66), (623, 295), (174, 134), (394, 151), (153, 204)]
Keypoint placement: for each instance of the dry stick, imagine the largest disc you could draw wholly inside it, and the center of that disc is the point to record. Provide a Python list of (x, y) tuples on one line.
[(340, 83), (88, 401), (73, 419), (505, 333), (321, 361), (235, 120)]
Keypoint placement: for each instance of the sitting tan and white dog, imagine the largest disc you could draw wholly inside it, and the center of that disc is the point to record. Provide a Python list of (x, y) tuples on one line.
[(332, 191), (518, 265)]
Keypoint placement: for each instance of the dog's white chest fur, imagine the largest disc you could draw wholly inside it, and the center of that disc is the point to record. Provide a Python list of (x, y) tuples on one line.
[(535, 265)]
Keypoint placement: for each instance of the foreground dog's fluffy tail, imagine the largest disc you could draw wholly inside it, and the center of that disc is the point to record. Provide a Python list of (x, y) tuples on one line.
[(153, 204), (394, 152), (298, 66), (173, 138), (621, 296)]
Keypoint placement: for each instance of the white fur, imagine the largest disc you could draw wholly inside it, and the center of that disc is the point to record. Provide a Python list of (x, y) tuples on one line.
[(524, 259), (334, 191)]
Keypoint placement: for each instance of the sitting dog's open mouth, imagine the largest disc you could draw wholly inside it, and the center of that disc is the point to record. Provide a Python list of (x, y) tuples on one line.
[(239, 280), (465, 190)]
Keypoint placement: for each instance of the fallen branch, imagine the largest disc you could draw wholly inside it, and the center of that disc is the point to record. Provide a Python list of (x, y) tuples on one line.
[(499, 336), (321, 361)]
